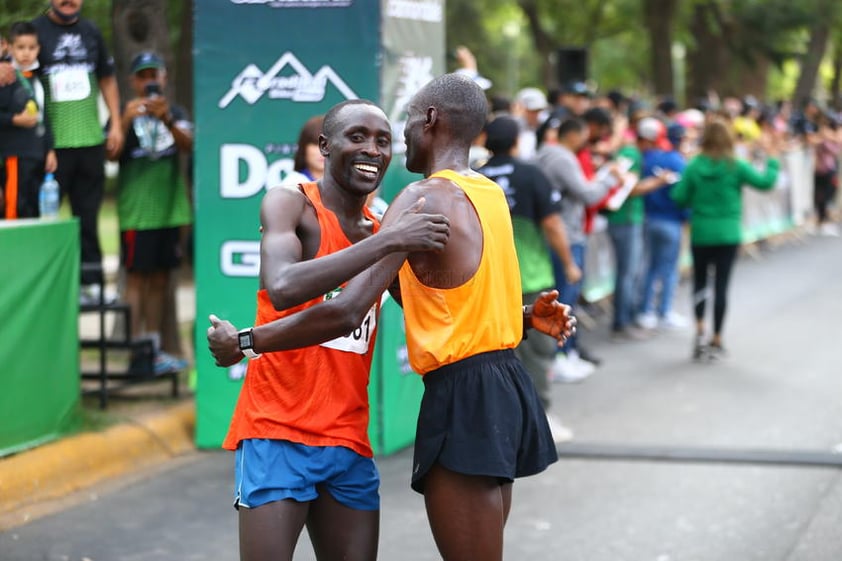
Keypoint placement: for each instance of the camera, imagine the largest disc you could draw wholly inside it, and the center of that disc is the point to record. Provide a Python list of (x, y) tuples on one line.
[(152, 89)]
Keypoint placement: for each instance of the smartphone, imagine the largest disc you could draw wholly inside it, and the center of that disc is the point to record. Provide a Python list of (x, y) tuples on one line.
[(152, 89)]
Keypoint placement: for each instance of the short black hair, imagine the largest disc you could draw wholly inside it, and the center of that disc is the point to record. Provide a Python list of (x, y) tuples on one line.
[(598, 116), (667, 106), (570, 124), (551, 122), (617, 98), (500, 104), (501, 135), (461, 101), (20, 28), (332, 116)]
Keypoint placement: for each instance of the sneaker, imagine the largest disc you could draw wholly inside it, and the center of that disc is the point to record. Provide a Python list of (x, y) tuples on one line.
[(570, 369), (829, 229), (89, 294), (629, 333), (166, 363), (717, 352), (673, 321), (647, 320), (560, 432), (700, 349), (582, 364)]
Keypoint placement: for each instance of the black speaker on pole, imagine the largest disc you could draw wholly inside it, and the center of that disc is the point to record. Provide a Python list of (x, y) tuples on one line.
[(571, 65)]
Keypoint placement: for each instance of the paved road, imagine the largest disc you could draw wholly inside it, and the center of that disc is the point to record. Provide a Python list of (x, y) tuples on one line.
[(781, 390)]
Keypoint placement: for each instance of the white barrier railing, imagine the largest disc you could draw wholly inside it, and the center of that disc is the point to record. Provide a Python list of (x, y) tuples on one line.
[(765, 214)]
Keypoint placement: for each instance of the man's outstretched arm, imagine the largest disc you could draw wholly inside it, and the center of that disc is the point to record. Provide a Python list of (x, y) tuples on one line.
[(328, 320), (291, 280)]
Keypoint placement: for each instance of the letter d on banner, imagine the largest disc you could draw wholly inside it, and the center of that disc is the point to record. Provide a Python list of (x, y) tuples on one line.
[(230, 156)]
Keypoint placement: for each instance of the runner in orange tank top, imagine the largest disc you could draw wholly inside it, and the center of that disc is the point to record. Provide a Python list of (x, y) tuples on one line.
[(300, 424), (481, 424)]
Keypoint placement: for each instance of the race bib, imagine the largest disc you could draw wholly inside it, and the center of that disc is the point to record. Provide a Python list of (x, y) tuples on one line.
[(359, 339), (72, 84)]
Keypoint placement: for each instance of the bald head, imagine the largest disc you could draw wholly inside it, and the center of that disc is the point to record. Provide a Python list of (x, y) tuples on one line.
[(460, 103)]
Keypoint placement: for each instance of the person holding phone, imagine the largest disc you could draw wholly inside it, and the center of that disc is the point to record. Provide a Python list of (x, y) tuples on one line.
[(152, 201)]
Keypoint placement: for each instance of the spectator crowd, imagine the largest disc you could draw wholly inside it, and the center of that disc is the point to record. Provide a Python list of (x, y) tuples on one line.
[(55, 72), (656, 178)]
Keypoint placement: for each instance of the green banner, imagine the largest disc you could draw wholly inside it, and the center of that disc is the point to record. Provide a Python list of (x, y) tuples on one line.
[(400, 389), (262, 68), (302, 57), (39, 304)]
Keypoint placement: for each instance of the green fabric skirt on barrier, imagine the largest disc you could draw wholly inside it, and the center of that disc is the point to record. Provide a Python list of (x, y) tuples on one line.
[(39, 307)]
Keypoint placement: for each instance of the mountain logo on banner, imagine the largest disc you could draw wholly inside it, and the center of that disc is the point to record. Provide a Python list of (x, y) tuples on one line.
[(301, 86)]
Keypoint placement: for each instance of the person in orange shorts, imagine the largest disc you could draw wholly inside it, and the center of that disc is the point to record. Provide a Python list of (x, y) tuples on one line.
[(481, 423)]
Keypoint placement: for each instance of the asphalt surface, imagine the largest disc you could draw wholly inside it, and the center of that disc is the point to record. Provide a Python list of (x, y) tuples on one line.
[(672, 461)]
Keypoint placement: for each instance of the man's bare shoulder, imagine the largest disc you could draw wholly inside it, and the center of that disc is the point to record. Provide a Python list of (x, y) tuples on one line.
[(285, 201), (438, 192), (285, 195)]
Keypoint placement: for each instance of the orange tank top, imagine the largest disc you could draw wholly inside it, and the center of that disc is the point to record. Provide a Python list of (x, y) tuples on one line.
[(316, 395), (483, 314)]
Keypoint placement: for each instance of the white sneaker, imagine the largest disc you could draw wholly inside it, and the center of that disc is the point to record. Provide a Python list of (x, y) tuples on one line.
[(570, 368), (560, 432), (647, 320), (829, 229), (673, 321)]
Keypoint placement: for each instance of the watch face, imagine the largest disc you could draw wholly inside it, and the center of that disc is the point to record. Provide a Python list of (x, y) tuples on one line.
[(245, 340)]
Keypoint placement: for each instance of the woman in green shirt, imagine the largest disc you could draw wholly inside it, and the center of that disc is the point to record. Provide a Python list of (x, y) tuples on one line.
[(711, 188)]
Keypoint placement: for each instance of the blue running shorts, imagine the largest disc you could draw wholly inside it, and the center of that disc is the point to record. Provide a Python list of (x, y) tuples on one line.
[(273, 470)]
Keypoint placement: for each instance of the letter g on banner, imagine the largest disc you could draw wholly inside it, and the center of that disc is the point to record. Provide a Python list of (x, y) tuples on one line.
[(239, 258)]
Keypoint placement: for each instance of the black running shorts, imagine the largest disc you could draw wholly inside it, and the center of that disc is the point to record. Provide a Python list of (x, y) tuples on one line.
[(482, 416)]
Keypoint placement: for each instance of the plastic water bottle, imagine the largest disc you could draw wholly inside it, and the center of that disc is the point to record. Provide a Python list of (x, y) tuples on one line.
[(49, 198), (144, 128)]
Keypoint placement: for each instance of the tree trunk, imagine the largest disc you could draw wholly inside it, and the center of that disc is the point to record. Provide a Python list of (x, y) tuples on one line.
[(704, 58), (140, 25), (658, 17), (544, 44), (749, 78), (184, 60), (819, 34)]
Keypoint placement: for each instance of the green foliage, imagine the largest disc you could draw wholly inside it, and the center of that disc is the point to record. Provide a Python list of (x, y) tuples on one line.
[(499, 35), (617, 39), (98, 11)]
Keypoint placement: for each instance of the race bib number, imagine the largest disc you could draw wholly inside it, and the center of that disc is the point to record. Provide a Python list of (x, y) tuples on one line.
[(359, 339), (70, 85)]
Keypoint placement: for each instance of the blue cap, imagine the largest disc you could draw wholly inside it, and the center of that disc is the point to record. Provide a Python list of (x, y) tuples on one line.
[(147, 60)]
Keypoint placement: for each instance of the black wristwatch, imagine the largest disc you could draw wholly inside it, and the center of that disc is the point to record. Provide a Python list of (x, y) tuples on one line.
[(246, 340)]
